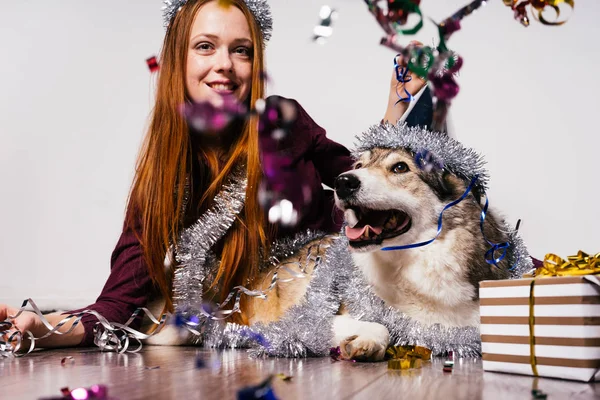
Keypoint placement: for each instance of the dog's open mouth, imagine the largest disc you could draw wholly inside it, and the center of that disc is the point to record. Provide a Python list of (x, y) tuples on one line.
[(367, 227)]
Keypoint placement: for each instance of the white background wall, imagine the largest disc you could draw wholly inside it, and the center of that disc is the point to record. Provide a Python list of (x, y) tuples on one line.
[(75, 94)]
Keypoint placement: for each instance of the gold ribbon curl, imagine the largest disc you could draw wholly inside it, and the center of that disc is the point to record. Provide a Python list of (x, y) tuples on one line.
[(539, 5), (577, 265), (407, 357)]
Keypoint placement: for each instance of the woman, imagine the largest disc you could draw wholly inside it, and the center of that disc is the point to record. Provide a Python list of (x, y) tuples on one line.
[(212, 49)]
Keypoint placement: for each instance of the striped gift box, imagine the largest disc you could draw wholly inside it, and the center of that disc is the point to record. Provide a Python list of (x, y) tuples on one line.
[(563, 316)]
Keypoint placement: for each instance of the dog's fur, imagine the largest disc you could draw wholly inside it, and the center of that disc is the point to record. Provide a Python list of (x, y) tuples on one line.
[(436, 283)]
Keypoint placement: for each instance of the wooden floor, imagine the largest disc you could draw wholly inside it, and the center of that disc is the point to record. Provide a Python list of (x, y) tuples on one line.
[(135, 376)]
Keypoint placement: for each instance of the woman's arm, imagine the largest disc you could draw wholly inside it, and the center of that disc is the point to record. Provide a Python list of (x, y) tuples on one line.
[(128, 287)]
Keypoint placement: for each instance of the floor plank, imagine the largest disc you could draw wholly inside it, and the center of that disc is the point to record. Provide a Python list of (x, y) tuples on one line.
[(134, 376)]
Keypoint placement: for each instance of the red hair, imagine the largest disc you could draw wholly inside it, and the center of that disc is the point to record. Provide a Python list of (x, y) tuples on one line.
[(157, 194)]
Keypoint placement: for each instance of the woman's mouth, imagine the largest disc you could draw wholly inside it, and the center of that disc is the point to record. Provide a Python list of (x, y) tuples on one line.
[(223, 87)]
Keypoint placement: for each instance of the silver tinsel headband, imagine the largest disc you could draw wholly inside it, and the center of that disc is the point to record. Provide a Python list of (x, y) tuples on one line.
[(259, 8), (458, 159)]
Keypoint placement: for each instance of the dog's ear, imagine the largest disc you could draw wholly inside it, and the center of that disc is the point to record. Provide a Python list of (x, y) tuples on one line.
[(444, 184)]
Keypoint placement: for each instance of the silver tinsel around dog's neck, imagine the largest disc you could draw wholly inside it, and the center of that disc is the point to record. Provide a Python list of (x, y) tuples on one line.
[(259, 8), (456, 158)]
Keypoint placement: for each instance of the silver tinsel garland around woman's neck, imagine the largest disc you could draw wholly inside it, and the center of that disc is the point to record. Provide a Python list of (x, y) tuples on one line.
[(195, 243)]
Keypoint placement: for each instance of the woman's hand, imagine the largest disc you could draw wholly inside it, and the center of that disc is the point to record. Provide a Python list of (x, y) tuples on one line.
[(30, 321), (27, 321), (412, 84)]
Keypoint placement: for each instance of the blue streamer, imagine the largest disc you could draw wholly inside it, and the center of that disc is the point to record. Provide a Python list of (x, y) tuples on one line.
[(402, 75), (490, 254), (455, 202)]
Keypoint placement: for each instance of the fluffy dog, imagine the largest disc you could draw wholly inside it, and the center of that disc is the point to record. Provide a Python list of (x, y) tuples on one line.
[(390, 200)]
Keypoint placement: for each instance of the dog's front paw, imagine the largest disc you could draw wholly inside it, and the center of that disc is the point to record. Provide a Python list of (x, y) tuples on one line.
[(363, 348)]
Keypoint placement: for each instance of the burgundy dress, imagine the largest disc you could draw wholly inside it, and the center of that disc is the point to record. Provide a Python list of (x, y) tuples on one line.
[(315, 158)]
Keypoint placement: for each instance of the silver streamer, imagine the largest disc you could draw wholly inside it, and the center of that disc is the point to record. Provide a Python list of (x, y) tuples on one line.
[(195, 242), (108, 336), (461, 161), (306, 328), (259, 8)]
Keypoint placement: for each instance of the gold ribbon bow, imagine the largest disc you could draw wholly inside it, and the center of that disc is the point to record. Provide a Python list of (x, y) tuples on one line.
[(406, 357), (577, 265)]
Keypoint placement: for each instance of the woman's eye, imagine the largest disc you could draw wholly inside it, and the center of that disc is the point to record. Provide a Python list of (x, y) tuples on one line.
[(358, 166), (244, 51), (203, 46), (400, 168)]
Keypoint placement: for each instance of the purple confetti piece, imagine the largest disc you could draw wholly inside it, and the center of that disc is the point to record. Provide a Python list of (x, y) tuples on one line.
[(426, 161), (205, 117)]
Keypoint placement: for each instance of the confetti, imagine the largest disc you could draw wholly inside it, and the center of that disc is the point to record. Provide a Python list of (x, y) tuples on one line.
[(255, 337), (153, 64), (200, 363), (205, 117), (262, 391), (538, 394), (96, 392), (405, 363), (394, 15), (69, 359), (407, 357), (426, 161), (439, 64), (402, 76), (448, 365), (284, 377), (336, 354), (538, 8), (284, 202), (325, 28)]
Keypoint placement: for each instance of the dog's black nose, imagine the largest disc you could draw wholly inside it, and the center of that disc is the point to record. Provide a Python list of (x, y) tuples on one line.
[(346, 185)]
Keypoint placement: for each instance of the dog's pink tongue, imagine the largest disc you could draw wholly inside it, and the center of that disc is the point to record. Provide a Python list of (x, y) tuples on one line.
[(355, 233)]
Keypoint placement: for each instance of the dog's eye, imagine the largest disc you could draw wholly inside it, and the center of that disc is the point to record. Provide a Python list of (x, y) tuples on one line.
[(400, 168), (358, 166)]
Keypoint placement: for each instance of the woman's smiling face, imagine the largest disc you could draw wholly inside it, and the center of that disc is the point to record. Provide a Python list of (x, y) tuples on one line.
[(220, 55)]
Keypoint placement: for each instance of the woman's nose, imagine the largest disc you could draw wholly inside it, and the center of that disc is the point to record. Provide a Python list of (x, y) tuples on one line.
[(223, 62)]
